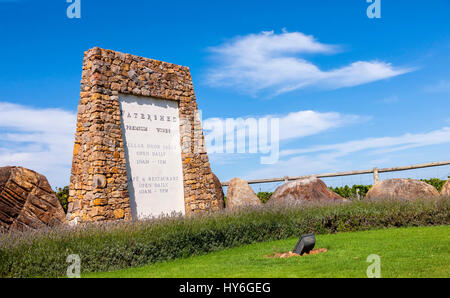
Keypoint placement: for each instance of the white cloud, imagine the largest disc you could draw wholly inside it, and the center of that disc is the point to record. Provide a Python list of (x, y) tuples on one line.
[(390, 99), (301, 123), (332, 158), (380, 145), (270, 61), (296, 166), (291, 126), (443, 86), (38, 139), (306, 123)]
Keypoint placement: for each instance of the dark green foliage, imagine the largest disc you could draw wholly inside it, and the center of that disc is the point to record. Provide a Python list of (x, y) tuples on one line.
[(352, 193), (264, 196), (436, 182), (105, 247), (63, 197)]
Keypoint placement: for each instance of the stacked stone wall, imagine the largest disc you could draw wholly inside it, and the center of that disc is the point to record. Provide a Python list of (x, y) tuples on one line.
[(99, 184)]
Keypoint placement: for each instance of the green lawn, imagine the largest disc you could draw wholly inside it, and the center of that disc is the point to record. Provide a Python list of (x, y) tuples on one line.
[(404, 252)]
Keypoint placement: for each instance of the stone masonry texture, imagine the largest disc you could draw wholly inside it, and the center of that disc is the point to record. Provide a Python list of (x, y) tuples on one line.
[(27, 201), (98, 183)]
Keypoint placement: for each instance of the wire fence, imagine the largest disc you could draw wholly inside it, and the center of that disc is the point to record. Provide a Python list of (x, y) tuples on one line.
[(440, 170)]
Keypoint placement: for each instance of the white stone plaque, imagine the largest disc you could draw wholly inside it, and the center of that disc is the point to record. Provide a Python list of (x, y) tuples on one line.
[(151, 134)]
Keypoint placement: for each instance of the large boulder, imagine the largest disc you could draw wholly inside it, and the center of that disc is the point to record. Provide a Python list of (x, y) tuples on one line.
[(304, 190), (240, 194), (407, 189), (445, 192), (219, 192), (27, 201)]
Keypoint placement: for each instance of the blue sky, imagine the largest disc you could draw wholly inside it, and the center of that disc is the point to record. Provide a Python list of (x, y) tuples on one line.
[(352, 92)]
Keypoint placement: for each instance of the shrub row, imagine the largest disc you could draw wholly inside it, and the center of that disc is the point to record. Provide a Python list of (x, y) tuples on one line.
[(436, 182), (105, 247), (356, 191), (352, 192)]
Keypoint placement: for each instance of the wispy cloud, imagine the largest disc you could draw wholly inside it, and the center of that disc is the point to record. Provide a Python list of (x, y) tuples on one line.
[(306, 123), (296, 166), (379, 145), (39, 139), (272, 61), (390, 99), (440, 87), (292, 125), (344, 156)]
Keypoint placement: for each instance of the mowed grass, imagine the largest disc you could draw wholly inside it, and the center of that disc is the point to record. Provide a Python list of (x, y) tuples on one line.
[(404, 252)]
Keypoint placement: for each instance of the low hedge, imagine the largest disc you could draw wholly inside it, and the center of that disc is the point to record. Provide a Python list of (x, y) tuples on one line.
[(105, 247), (352, 192)]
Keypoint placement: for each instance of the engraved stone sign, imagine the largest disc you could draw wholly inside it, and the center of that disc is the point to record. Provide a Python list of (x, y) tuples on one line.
[(150, 128), (139, 147)]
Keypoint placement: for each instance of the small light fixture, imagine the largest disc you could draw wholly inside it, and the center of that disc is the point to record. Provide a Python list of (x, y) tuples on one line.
[(305, 244)]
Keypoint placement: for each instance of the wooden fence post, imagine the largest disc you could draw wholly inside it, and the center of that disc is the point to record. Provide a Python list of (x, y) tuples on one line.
[(376, 177)]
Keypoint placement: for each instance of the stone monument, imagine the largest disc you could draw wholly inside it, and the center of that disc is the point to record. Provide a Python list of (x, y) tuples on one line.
[(139, 147)]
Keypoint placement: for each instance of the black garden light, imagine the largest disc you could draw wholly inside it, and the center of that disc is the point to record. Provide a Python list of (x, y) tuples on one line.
[(305, 244)]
